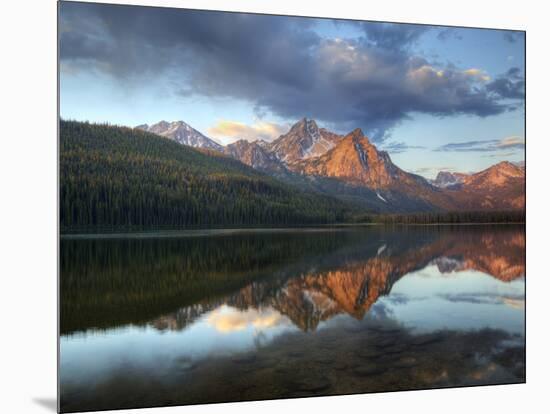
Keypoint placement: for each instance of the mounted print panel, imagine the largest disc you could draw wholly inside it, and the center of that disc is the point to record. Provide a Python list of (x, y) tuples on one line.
[(258, 207)]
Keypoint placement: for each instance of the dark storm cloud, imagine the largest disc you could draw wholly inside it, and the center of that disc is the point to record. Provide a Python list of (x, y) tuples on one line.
[(513, 37), (279, 65), (511, 85), (131, 41), (393, 36), (448, 33)]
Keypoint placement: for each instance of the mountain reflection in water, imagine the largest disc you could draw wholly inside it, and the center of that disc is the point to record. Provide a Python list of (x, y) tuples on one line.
[(285, 314)]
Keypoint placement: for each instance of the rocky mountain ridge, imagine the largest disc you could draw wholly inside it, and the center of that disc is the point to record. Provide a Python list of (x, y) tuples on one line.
[(351, 167), (182, 133)]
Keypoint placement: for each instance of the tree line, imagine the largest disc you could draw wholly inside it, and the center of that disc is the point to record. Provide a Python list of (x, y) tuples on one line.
[(445, 217)]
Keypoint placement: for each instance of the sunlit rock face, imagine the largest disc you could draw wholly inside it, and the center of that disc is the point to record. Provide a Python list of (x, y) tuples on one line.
[(355, 159), (501, 186)]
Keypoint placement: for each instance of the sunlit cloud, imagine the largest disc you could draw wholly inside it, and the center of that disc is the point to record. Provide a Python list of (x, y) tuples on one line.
[(227, 320), (230, 131), (514, 303), (478, 74), (511, 142)]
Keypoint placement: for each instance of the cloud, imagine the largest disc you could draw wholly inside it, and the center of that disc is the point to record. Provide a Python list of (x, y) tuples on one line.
[(280, 65), (431, 172), (393, 35), (492, 145), (423, 170), (267, 131), (399, 147), (447, 33), (513, 37), (478, 74), (227, 319), (499, 155), (510, 85)]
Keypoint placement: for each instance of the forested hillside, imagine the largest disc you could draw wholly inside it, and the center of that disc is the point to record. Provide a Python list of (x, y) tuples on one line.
[(115, 176)]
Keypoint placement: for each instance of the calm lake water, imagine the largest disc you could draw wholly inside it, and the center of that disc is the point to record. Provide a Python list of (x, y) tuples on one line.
[(183, 318)]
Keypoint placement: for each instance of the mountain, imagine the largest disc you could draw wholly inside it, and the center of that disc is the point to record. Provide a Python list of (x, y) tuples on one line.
[(256, 155), (182, 133), (114, 176), (501, 186), (356, 161), (498, 175), (304, 140), (446, 179), (351, 168)]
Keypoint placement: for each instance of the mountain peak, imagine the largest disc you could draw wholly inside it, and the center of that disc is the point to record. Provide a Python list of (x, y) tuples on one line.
[(506, 168), (507, 165), (503, 164), (446, 179), (182, 133), (162, 124), (304, 140), (305, 125), (357, 134), (355, 160), (493, 179)]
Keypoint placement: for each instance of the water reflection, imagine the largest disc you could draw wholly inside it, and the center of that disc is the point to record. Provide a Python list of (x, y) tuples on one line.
[(269, 315)]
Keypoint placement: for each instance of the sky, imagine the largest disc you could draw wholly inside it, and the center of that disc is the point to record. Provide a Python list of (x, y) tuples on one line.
[(436, 98)]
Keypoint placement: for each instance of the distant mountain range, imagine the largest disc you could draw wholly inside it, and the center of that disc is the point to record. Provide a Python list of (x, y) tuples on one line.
[(351, 168)]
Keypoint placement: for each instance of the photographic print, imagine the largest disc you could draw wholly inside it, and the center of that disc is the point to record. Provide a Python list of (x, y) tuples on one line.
[(259, 206)]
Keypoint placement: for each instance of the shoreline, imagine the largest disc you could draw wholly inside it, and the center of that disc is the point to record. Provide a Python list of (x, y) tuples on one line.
[(167, 233)]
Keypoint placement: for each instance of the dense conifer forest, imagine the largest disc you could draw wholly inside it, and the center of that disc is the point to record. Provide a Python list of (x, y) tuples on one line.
[(116, 177)]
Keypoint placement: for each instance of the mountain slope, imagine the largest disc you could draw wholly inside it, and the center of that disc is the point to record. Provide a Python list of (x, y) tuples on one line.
[(352, 169), (501, 186), (114, 176), (254, 155), (182, 133), (355, 161), (445, 179)]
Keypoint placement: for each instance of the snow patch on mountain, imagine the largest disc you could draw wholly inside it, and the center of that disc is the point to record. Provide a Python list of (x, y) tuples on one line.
[(380, 197)]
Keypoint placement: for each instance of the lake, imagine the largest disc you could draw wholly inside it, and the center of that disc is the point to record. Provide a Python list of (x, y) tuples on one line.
[(197, 317)]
